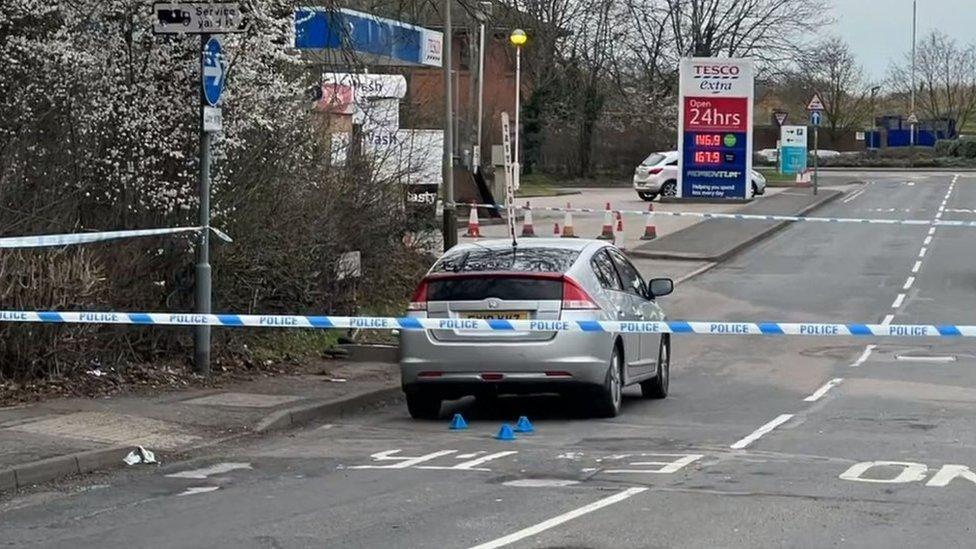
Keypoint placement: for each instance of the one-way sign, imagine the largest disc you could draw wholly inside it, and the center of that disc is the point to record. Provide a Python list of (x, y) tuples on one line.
[(198, 18)]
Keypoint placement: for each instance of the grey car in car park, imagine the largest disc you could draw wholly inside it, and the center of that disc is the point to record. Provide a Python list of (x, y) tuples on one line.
[(539, 279)]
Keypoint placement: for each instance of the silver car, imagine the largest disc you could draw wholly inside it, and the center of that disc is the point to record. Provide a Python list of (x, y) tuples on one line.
[(546, 279)]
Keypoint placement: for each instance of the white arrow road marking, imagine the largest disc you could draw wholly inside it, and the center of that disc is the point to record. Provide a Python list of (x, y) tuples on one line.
[(556, 521), (765, 429), (470, 465), (217, 469)]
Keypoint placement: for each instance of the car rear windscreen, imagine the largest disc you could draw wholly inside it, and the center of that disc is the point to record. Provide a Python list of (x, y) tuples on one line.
[(519, 260), (504, 288), (653, 160)]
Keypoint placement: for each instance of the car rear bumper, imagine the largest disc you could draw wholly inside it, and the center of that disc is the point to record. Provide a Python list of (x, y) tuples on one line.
[(647, 186), (567, 362)]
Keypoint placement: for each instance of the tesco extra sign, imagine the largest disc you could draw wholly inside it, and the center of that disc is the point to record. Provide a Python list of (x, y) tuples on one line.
[(715, 78)]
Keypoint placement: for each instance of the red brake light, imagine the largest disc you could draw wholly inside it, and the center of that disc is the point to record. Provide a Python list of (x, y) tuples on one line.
[(575, 297), (419, 300), (654, 171)]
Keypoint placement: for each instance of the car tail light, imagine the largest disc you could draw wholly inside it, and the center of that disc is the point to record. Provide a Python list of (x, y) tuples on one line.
[(419, 300), (575, 297), (654, 171)]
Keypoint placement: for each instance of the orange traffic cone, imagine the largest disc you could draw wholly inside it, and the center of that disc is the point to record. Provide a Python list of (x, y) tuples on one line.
[(474, 229), (618, 237), (650, 231), (607, 232), (527, 229), (568, 223)]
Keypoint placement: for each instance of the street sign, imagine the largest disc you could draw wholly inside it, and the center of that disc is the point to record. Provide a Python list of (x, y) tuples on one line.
[(816, 118), (715, 128), (213, 120), (793, 149), (815, 103), (213, 71), (198, 18), (781, 117), (912, 119)]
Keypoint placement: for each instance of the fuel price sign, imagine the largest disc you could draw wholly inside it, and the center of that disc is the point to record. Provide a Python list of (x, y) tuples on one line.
[(715, 119)]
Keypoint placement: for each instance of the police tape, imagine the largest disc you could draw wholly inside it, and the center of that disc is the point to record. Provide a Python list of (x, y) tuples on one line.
[(67, 239), (744, 217), (497, 325)]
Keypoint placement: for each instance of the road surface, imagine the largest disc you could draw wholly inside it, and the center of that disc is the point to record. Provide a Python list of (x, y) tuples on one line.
[(764, 442)]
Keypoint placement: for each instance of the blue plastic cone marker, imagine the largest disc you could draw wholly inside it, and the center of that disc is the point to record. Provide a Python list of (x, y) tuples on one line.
[(458, 423), (505, 433), (524, 425)]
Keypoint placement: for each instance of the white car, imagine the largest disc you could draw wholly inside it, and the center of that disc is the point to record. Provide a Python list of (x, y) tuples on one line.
[(658, 175)]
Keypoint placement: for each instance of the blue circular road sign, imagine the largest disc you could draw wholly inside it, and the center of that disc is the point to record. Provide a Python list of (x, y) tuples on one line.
[(213, 71)]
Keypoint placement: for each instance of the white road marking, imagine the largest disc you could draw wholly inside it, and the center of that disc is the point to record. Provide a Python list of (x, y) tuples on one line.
[(819, 393), (864, 356), (193, 490), (898, 301), (470, 465), (931, 231), (911, 472), (217, 469), (854, 195), (927, 241), (908, 283), (909, 358), (918, 265), (540, 483), (561, 519), (921, 253), (469, 456), (758, 433), (663, 467), (887, 319), (949, 472), (403, 461)]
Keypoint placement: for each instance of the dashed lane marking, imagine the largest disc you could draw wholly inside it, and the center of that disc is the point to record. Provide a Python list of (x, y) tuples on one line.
[(898, 301), (561, 519), (918, 265), (819, 393), (887, 319), (540, 483), (910, 358), (758, 433), (864, 356), (908, 283), (193, 490)]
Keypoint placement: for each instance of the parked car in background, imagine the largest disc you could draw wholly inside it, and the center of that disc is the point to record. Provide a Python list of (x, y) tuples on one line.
[(768, 155), (658, 175), (540, 279)]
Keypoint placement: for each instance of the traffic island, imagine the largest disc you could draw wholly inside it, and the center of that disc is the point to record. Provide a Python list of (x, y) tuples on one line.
[(718, 239)]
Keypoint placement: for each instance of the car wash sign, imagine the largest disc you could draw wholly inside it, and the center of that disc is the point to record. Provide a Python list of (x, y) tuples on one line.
[(715, 121)]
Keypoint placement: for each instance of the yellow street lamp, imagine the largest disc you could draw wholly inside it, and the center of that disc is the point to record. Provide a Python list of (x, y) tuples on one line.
[(518, 39)]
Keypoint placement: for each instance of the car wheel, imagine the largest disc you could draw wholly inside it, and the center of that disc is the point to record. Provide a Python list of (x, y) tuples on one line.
[(647, 196), (423, 406), (657, 387), (608, 402), (669, 189), (755, 190)]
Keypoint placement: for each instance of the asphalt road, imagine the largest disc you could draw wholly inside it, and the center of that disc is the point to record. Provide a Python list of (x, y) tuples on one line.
[(764, 442)]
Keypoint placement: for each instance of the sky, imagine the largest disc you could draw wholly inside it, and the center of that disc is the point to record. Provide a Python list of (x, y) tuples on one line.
[(879, 31)]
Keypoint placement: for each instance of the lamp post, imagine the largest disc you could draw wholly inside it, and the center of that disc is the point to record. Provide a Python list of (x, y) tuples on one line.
[(518, 39), (875, 142), (450, 212), (913, 116)]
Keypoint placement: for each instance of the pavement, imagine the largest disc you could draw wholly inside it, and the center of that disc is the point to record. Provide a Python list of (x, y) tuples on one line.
[(60, 437), (763, 442)]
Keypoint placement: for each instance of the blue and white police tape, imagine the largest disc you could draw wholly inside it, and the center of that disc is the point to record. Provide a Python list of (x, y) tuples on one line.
[(481, 325), (67, 239), (745, 217)]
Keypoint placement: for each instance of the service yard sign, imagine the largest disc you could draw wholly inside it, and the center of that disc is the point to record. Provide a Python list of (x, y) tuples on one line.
[(715, 121)]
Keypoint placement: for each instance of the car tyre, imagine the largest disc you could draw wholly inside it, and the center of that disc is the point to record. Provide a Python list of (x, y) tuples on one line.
[(669, 189), (423, 405), (657, 387), (610, 397), (647, 196), (755, 190)]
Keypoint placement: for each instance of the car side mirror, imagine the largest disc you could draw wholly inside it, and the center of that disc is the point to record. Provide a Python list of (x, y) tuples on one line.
[(658, 287)]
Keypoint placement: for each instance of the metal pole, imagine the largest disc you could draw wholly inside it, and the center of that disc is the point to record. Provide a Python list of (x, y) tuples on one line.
[(201, 334), (450, 212), (914, 27), (816, 157), (516, 167), (481, 95)]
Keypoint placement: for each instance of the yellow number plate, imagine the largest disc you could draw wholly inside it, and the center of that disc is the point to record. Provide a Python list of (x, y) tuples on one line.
[(498, 315)]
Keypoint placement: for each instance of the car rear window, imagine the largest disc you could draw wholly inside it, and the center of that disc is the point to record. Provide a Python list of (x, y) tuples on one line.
[(653, 160), (505, 288), (521, 260)]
